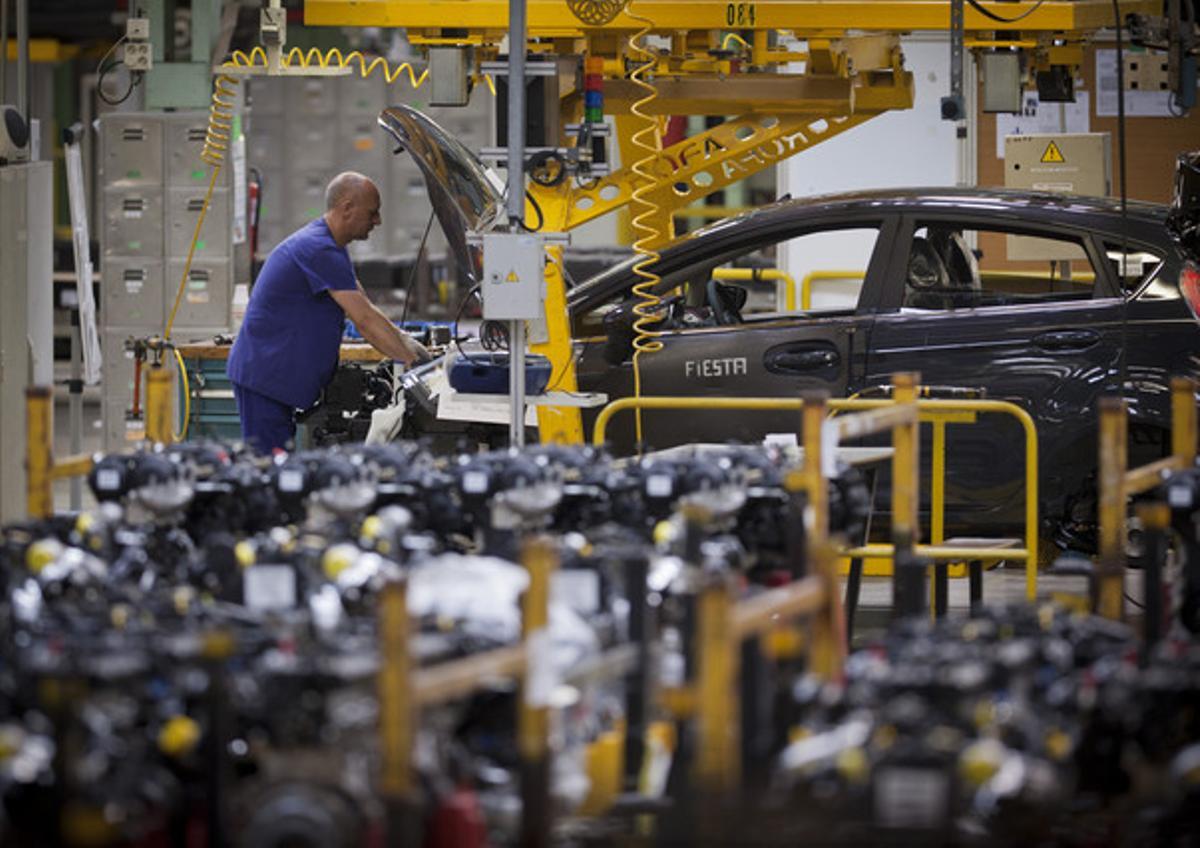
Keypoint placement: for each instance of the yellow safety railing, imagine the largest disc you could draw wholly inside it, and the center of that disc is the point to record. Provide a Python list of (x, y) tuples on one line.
[(950, 411), (754, 275), (1118, 484), (42, 469)]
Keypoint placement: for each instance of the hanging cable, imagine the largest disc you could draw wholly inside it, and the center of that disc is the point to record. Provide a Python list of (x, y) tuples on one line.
[(648, 138), (1124, 354), (187, 396), (978, 7)]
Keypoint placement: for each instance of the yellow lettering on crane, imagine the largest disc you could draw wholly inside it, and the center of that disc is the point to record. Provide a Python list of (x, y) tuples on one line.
[(1053, 154)]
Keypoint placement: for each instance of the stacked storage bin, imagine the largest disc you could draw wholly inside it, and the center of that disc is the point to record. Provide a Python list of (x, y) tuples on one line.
[(154, 185)]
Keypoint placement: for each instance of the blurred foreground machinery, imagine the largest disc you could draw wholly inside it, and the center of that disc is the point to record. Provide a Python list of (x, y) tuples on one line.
[(200, 658)]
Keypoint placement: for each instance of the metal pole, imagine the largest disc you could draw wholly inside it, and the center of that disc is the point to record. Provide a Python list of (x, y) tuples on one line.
[(533, 709), (75, 407), (397, 717), (39, 452), (1110, 582), (908, 571), (1156, 518), (516, 382), (516, 203), (1183, 418), (22, 63), (4, 49)]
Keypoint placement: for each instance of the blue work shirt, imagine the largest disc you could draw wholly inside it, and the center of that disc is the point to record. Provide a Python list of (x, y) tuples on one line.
[(287, 348)]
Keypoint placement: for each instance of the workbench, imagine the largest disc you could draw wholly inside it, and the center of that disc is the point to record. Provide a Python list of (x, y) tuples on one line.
[(213, 413)]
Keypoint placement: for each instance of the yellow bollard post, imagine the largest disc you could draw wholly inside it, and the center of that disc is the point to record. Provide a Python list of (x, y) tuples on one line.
[(905, 463), (816, 529), (39, 452), (1183, 419), (159, 427), (1110, 576), (533, 710), (397, 715), (717, 720)]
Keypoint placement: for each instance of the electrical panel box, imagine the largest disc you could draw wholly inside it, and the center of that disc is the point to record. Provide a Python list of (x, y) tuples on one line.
[(133, 223), (312, 145), (1069, 163), (131, 151), (514, 284), (133, 292)]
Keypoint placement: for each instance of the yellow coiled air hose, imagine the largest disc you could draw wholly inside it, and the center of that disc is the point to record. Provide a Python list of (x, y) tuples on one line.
[(648, 138)]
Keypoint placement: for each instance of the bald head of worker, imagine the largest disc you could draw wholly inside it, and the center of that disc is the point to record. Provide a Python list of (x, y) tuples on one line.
[(351, 207)]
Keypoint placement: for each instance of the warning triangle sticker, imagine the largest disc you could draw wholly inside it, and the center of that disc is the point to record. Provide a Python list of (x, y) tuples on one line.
[(512, 277), (1053, 154)]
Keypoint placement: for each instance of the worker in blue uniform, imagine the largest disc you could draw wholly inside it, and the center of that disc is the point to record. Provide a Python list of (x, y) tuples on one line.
[(287, 349)]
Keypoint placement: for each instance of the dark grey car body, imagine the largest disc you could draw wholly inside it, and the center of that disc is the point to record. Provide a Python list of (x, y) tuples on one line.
[(1055, 358)]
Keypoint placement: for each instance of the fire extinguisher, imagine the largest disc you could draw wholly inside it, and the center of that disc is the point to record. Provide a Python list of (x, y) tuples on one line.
[(254, 204)]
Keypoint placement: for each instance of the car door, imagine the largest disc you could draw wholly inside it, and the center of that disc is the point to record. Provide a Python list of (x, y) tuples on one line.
[(772, 354), (1013, 328)]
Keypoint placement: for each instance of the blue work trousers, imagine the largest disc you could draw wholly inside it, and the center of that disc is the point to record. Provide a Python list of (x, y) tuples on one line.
[(267, 424)]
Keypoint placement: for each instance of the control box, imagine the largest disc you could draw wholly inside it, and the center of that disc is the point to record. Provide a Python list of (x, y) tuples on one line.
[(514, 283), (1070, 163)]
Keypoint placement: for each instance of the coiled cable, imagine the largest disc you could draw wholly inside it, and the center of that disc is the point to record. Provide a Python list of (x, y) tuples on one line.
[(648, 138)]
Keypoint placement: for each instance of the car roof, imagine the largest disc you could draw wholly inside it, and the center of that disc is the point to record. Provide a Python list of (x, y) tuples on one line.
[(1049, 205), (1078, 211)]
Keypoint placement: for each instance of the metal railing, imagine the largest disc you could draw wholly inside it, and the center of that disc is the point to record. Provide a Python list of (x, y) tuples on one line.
[(939, 413), (1118, 484), (42, 469)]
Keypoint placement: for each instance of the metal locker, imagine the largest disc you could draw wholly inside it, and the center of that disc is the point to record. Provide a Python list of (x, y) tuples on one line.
[(365, 96), (311, 144), (311, 96), (207, 296), (133, 222), (116, 374), (268, 95), (132, 292), (183, 210), (185, 134), (132, 150), (362, 147), (306, 197), (265, 141)]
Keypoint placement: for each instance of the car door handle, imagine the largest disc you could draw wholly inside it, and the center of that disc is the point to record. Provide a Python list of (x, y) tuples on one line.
[(1066, 340), (797, 362)]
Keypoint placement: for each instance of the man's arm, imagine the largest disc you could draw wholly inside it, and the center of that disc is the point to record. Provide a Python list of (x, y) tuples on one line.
[(377, 329)]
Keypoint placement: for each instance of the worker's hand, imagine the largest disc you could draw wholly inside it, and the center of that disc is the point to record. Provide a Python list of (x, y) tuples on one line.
[(420, 354)]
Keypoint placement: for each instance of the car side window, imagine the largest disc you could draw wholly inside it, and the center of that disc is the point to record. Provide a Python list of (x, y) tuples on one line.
[(953, 267), (818, 271)]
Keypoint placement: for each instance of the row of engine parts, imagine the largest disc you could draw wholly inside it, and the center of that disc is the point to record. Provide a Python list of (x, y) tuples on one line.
[(196, 661)]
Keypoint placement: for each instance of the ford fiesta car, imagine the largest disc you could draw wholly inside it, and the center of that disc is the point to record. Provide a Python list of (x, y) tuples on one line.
[(1049, 301)]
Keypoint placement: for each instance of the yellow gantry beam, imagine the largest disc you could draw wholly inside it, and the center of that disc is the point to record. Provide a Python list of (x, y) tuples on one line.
[(552, 18)]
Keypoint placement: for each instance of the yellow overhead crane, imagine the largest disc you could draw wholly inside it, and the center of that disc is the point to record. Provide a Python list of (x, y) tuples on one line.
[(716, 59)]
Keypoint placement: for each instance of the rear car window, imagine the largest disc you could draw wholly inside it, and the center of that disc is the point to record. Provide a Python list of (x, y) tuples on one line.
[(953, 267), (1140, 271)]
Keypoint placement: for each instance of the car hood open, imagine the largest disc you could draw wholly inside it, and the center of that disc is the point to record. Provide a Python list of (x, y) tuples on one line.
[(466, 197)]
